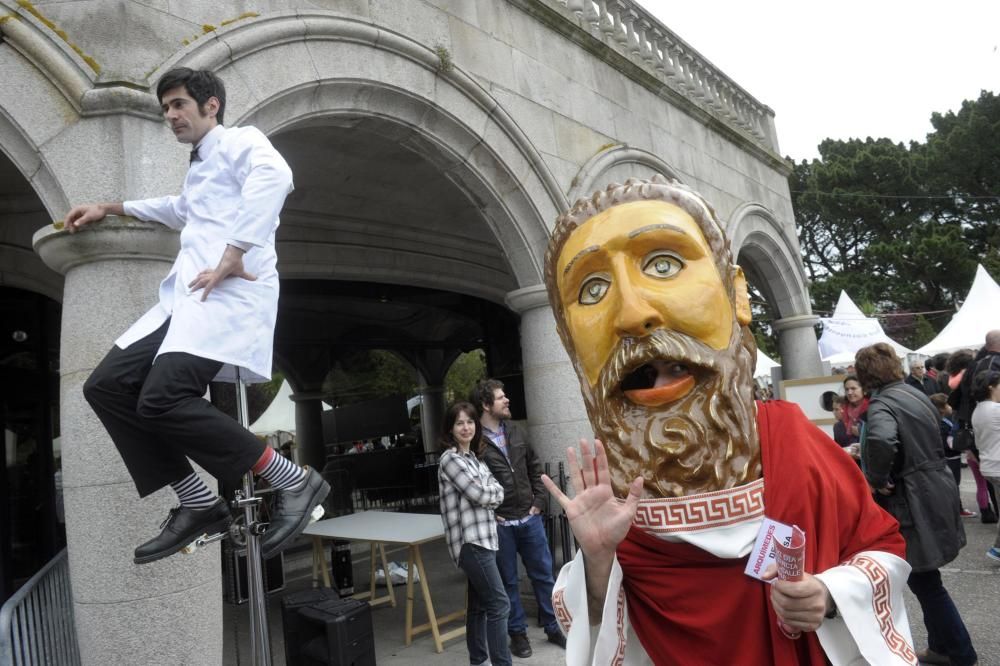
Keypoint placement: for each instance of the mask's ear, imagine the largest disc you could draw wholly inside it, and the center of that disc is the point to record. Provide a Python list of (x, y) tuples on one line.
[(741, 296)]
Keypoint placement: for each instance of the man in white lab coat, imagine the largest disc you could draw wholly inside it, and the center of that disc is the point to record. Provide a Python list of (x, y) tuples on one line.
[(216, 314)]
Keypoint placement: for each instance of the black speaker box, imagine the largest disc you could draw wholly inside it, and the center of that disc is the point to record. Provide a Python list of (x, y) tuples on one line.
[(234, 566), (330, 632), (342, 567)]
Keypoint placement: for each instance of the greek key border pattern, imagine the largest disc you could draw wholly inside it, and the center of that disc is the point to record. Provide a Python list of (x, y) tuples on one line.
[(564, 617), (705, 511), (882, 605)]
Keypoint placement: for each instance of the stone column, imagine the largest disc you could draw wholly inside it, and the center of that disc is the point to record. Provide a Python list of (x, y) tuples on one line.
[(170, 611), (431, 413), (556, 415), (309, 430), (798, 347)]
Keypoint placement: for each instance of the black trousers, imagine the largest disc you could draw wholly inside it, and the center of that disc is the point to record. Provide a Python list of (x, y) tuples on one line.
[(158, 418)]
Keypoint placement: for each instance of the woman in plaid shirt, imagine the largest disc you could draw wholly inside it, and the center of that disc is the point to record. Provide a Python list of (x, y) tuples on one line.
[(469, 494)]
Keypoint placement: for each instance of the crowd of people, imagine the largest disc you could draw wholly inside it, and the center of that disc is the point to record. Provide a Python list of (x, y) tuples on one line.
[(910, 434), (948, 381), (901, 429)]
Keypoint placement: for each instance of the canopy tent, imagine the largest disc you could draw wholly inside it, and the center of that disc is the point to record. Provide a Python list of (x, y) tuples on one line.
[(764, 365), (979, 314), (279, 415), (848, 330)]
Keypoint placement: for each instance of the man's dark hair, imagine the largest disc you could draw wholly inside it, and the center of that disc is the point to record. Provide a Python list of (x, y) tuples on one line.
[(940, 361), (483, 392), (928, 365), (201, 84), (959, 361), (877, 365), (983, 383)]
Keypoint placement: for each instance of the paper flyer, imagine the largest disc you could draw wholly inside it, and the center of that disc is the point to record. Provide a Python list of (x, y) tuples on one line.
[(762, 555), (790, 559), (785, 547)]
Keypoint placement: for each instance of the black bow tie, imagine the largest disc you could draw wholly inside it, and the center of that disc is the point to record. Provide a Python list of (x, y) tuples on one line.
[(194, 156)]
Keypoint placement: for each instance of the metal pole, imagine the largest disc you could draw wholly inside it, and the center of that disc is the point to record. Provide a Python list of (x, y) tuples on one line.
[(259, 638)]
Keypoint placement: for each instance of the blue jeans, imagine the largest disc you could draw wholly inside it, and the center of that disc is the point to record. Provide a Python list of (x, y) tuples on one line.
[(486, 617), (946, 633), (529, 540)]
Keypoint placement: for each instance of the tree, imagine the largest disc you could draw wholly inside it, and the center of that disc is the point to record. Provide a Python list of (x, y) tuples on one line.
[(903, 226), (964, 161), (463, 374), (368, 374)]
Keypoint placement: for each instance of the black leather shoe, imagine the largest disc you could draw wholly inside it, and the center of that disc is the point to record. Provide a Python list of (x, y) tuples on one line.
[(520, 646), (291, 512), (557, 638), (181, 527)]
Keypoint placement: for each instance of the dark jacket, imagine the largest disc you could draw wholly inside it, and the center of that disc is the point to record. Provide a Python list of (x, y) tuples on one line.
[(961, 398), (925, 384), (521, 477), (902, 445)]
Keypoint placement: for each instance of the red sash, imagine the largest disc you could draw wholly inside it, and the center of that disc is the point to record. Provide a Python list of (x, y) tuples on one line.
[(690, 608)]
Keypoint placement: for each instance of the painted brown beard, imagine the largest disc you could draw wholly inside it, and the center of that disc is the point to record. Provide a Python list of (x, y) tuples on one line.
[(705, 441)]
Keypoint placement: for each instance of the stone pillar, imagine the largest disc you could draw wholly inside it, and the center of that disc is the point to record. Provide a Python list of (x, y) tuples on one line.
[(798, 347), (309, 430), (556, 415), (170, 611), (431, 413)]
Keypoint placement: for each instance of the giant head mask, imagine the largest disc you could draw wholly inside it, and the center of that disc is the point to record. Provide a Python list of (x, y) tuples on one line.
[(655, 318)]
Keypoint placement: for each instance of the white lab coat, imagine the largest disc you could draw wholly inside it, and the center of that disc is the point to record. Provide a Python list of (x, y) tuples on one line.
[(231, 196)]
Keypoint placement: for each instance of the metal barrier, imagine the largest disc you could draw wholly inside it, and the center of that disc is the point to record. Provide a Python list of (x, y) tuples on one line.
[(36, 623)]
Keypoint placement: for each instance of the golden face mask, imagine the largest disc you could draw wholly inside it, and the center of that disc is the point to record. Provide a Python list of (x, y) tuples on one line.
[(664, 356)]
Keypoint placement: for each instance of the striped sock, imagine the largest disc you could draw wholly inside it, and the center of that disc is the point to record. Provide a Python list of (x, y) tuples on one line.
[(278, 470), (193, 493)]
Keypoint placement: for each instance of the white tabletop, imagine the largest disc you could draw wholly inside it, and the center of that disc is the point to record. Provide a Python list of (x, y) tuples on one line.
[(382, 526)]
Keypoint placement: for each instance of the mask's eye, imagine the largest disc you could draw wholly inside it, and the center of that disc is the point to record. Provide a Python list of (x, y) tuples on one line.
[(663, 265), (593, 290)]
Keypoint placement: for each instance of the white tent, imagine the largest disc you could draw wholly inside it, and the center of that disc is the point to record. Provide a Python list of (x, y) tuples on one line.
[(764, 365), (848, 330), (279, 415), (979, 314)]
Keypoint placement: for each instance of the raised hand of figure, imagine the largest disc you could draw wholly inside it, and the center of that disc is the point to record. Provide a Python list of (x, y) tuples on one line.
[(599, 520)]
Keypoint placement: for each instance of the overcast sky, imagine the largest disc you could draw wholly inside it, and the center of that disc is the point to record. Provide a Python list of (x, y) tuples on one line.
[(852, 68)]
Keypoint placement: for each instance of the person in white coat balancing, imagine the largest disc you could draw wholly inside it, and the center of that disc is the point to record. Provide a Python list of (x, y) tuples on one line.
[(216, 313)]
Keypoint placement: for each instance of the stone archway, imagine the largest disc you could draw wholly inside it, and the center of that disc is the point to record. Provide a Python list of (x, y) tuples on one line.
[(761, 246), (616, 164), (345, 73)]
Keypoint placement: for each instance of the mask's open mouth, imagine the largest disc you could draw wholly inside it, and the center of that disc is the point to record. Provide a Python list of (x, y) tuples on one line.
[(658, 383)]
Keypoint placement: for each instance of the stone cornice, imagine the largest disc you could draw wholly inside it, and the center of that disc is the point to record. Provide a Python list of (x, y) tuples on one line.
[(795, 321), (564, 22), (114, 238), (528, 298)]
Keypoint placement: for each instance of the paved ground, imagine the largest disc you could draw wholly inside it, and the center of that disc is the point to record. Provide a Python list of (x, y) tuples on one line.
[(972, 580)]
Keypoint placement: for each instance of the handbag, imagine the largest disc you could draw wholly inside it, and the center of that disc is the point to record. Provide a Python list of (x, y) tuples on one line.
[(963, 440)]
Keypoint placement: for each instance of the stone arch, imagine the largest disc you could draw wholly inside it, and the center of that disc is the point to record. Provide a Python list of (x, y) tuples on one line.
[(616, 164), (761, 246), (341, 71), (21, 266)]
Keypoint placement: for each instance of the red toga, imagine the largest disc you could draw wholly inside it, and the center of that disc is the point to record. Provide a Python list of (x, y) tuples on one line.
[(690, 608)]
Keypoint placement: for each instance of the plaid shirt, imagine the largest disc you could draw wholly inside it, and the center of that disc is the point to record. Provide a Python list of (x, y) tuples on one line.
[(469, 494)]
